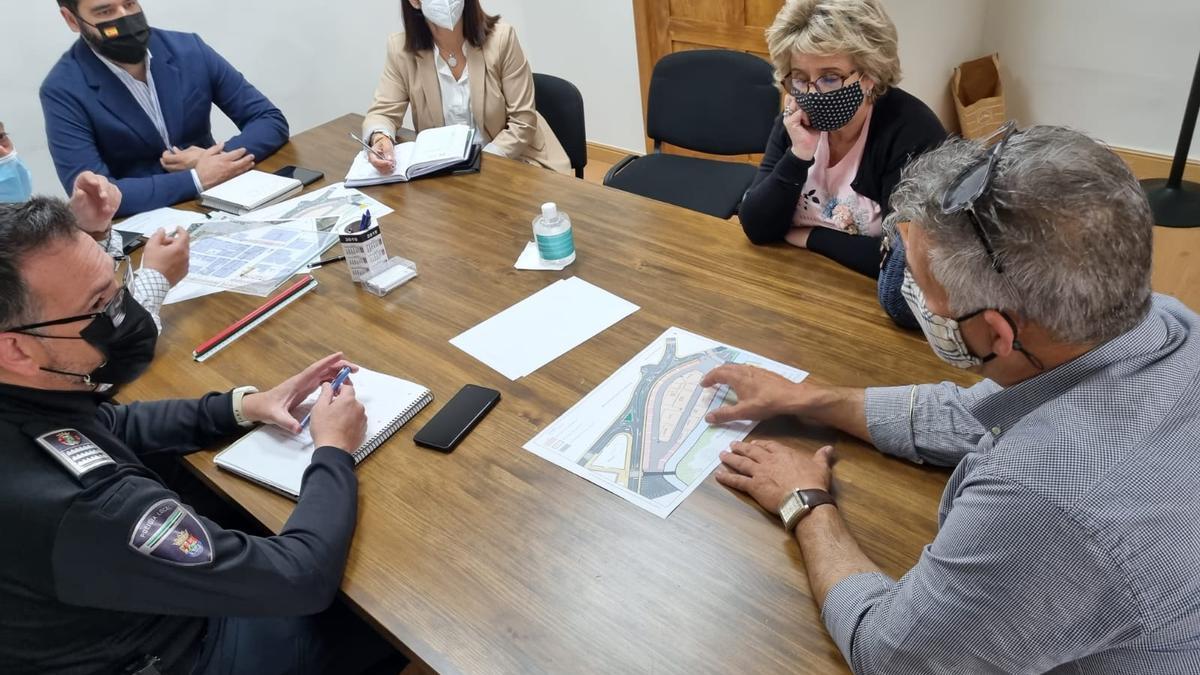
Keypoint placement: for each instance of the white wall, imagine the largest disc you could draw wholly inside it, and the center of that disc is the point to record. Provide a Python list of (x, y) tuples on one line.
[(936, 36), (1117, 70), (1092, 65), (320, 60), (315, 60), (591, 43)]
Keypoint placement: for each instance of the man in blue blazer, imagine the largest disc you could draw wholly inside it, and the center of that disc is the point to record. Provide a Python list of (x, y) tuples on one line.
[(134, 104)]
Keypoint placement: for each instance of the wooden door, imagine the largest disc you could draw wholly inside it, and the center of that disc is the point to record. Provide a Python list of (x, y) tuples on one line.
[(668, 26)]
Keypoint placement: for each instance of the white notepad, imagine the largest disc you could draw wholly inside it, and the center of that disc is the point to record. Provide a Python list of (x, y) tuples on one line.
[(435, 149), (276, 459), (250, 191)]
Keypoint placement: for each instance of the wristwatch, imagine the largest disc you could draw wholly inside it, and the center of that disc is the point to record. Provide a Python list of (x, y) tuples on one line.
[(799, 503), (238, 413)]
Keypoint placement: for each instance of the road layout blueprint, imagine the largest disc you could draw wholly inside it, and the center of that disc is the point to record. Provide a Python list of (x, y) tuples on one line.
[(641, 434)]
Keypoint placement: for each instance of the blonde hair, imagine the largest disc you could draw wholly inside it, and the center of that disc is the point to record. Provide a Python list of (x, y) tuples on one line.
[(859, 29)]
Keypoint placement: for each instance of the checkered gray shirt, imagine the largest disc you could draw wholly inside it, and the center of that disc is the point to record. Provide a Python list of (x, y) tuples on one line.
[(149, 286), (1069, 536)]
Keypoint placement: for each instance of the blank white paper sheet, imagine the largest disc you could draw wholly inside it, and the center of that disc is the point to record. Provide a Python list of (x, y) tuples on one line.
[(543, 327)]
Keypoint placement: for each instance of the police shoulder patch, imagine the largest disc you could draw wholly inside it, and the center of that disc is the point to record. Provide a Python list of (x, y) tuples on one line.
[(169, 532), (74, 451)]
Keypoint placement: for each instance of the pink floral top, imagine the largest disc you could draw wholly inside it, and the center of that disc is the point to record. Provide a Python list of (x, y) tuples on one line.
[(827, 199)]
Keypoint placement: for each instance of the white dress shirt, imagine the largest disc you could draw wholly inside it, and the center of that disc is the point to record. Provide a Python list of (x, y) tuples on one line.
[(456, 102)]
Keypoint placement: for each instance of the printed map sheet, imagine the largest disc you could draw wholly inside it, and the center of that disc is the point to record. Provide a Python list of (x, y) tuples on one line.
[(641, 434)]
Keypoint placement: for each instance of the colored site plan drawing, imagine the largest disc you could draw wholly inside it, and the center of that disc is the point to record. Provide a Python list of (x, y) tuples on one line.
[(641, 434)]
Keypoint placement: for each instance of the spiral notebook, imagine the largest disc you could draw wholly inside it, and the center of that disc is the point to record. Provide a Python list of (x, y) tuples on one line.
[(277, 460)]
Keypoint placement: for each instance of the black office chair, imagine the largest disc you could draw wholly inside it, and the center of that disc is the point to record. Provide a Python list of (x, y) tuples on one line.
[(561, 104), (715, 101)]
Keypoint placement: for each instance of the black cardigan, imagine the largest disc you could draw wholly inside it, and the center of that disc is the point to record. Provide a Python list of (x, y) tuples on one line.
[(902, 127)]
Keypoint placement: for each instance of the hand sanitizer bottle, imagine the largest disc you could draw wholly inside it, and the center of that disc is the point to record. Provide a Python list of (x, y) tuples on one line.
[(554, 236)]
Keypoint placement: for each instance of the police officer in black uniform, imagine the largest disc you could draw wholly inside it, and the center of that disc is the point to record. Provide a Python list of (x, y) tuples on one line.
[(103, 568)]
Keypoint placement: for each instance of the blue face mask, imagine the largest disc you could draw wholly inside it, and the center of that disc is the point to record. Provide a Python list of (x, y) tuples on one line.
[(16, 186)]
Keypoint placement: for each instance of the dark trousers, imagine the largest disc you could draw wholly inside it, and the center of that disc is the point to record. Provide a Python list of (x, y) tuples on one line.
[(334, 641)]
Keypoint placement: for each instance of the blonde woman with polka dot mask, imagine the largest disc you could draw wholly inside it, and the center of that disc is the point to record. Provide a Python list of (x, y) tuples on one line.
[(845, 133)]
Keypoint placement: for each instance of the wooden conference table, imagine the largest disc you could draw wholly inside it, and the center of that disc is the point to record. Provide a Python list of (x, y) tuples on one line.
[(493, 560)]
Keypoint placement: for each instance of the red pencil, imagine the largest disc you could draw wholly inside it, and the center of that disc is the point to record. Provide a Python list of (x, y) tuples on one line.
[(252, 316)]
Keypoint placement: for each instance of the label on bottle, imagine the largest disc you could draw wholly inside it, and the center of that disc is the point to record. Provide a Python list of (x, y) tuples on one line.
[(554, 247)]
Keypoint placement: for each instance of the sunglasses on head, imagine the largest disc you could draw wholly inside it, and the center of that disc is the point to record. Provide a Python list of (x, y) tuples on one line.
[(970, 185)]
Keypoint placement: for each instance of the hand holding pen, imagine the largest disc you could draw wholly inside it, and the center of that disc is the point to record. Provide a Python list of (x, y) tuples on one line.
[(339, 420), (276, 406), (335, 388), (381, 154)]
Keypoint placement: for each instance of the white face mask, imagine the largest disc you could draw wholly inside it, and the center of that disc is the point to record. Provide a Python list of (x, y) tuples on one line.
[(443, 13), (944, 334)]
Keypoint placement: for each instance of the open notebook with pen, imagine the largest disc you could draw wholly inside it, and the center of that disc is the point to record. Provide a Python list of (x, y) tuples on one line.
[(276, 459), (435, 150)]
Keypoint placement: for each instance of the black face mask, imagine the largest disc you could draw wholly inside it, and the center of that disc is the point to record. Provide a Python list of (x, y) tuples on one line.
[(128, 349), (833, 110), (123, 40)]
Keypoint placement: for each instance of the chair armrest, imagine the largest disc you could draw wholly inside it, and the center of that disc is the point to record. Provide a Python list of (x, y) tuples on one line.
[(612, 173)]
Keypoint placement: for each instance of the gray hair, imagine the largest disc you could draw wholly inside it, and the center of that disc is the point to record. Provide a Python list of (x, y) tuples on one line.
[(1069, 222), (24, 229)]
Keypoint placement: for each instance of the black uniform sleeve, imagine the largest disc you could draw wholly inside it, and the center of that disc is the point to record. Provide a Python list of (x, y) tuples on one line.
[(171, 427), (767, 209), (133, 547)]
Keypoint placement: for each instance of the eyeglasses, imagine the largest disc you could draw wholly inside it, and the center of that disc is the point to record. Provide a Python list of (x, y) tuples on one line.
[(114, 309), (795, 84), (970, 185)]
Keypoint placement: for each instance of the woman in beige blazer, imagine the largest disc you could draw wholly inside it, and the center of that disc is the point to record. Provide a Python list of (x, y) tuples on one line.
[(457, 65)]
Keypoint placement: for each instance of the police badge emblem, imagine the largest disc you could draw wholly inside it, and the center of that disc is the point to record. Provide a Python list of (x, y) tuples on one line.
[(170, 532), (74, 451)]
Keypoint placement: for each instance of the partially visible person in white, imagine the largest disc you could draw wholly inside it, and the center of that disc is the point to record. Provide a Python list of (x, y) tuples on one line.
[(94, 201)]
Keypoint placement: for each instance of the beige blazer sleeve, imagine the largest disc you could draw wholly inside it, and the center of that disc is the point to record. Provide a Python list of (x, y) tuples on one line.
[(516, 84), (523, 133), (391, 96), (502, 98)]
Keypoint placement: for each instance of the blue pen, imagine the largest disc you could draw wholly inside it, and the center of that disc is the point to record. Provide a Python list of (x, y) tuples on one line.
[(365, 222), (337, 387)]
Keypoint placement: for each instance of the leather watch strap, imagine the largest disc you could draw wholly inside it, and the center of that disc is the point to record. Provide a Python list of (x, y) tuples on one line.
[(800, 503)]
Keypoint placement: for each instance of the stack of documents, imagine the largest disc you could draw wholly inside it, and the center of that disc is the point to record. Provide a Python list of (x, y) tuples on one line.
[(316, 212), (543, 327)]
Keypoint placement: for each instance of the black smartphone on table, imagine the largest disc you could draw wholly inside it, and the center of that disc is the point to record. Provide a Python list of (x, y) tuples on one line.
[(305, 176), (455, 420)]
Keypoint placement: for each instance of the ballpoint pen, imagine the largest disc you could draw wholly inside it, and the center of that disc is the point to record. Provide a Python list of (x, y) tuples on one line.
[(371, 150), (322, 263), (337, 386)]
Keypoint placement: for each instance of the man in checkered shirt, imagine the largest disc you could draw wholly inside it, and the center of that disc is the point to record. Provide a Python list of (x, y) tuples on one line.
[(1069, 537), (94, 201), (165, 258)]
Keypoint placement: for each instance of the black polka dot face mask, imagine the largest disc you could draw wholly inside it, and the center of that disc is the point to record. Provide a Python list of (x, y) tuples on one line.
[(833, 110)]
